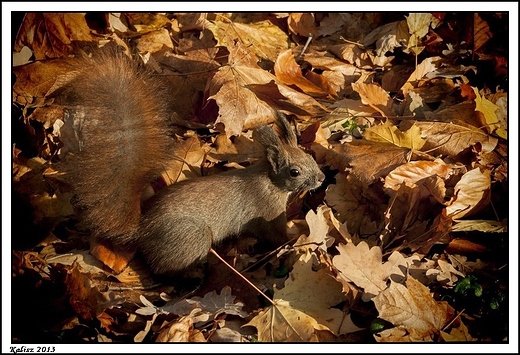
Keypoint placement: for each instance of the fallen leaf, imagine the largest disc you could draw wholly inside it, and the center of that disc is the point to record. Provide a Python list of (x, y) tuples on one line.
[(458, 334), (413, 308), (289, 72), (480, 225), (263, 38), (451, 139), (364, 267), (419, 25), (388, 133), (481, 33), (304, 305), (487, 108), (374, 96), (471, 194)]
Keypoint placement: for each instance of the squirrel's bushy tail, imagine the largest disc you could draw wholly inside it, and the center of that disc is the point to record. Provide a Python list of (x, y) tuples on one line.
[(120, 117)]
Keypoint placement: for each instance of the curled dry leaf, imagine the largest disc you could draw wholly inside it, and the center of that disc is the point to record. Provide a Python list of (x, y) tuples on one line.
[(376, 97), (289, 72), (471, 194)]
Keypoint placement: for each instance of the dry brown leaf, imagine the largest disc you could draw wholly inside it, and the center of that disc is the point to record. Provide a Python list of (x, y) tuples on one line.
[(481, 33), (419, 172), (387, 37), (84, 297), (487, 109), (238, 150), (211, 304), (319, 230), (458, 334), (302, 24), (464, 246), (155, 41), (374, 96), (353, 54), (50, 35), (303, 306), (471, 194), (424, 235), (413, 308), (282, 323), (445, 273), (262, 38), (451, 139), (239, 107), (189, 154), (181, 330), (315, 293), (388, 133), (419, 25), (339, 75), (480, 225), (348, 197), (427, 66)]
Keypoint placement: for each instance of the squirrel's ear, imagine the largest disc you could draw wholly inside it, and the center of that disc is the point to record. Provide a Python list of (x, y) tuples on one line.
[(275, 152), (284, 130), (266, 136)]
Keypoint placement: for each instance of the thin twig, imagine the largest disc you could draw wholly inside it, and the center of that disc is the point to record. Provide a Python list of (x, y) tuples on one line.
[(241, 276)]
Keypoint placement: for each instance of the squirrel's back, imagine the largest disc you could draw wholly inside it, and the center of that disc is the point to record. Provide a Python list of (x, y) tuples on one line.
[(120, 117)]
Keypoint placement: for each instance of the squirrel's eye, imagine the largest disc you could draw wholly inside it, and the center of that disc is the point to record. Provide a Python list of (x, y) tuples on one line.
[(294, 172)]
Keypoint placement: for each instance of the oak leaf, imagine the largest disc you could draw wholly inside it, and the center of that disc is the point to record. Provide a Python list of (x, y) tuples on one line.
[(239, 107), (262, 38), (413, 309), (304, 305), (364, 267)]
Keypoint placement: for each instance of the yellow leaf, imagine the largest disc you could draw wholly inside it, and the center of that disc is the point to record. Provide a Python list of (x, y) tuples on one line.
[(388, 133), (487, 108)]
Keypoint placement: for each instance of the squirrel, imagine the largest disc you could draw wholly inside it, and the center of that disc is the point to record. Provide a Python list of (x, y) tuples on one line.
[(120, 114)]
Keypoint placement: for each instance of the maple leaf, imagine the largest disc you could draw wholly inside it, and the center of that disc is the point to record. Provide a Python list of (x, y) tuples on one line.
[(413, 309)]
